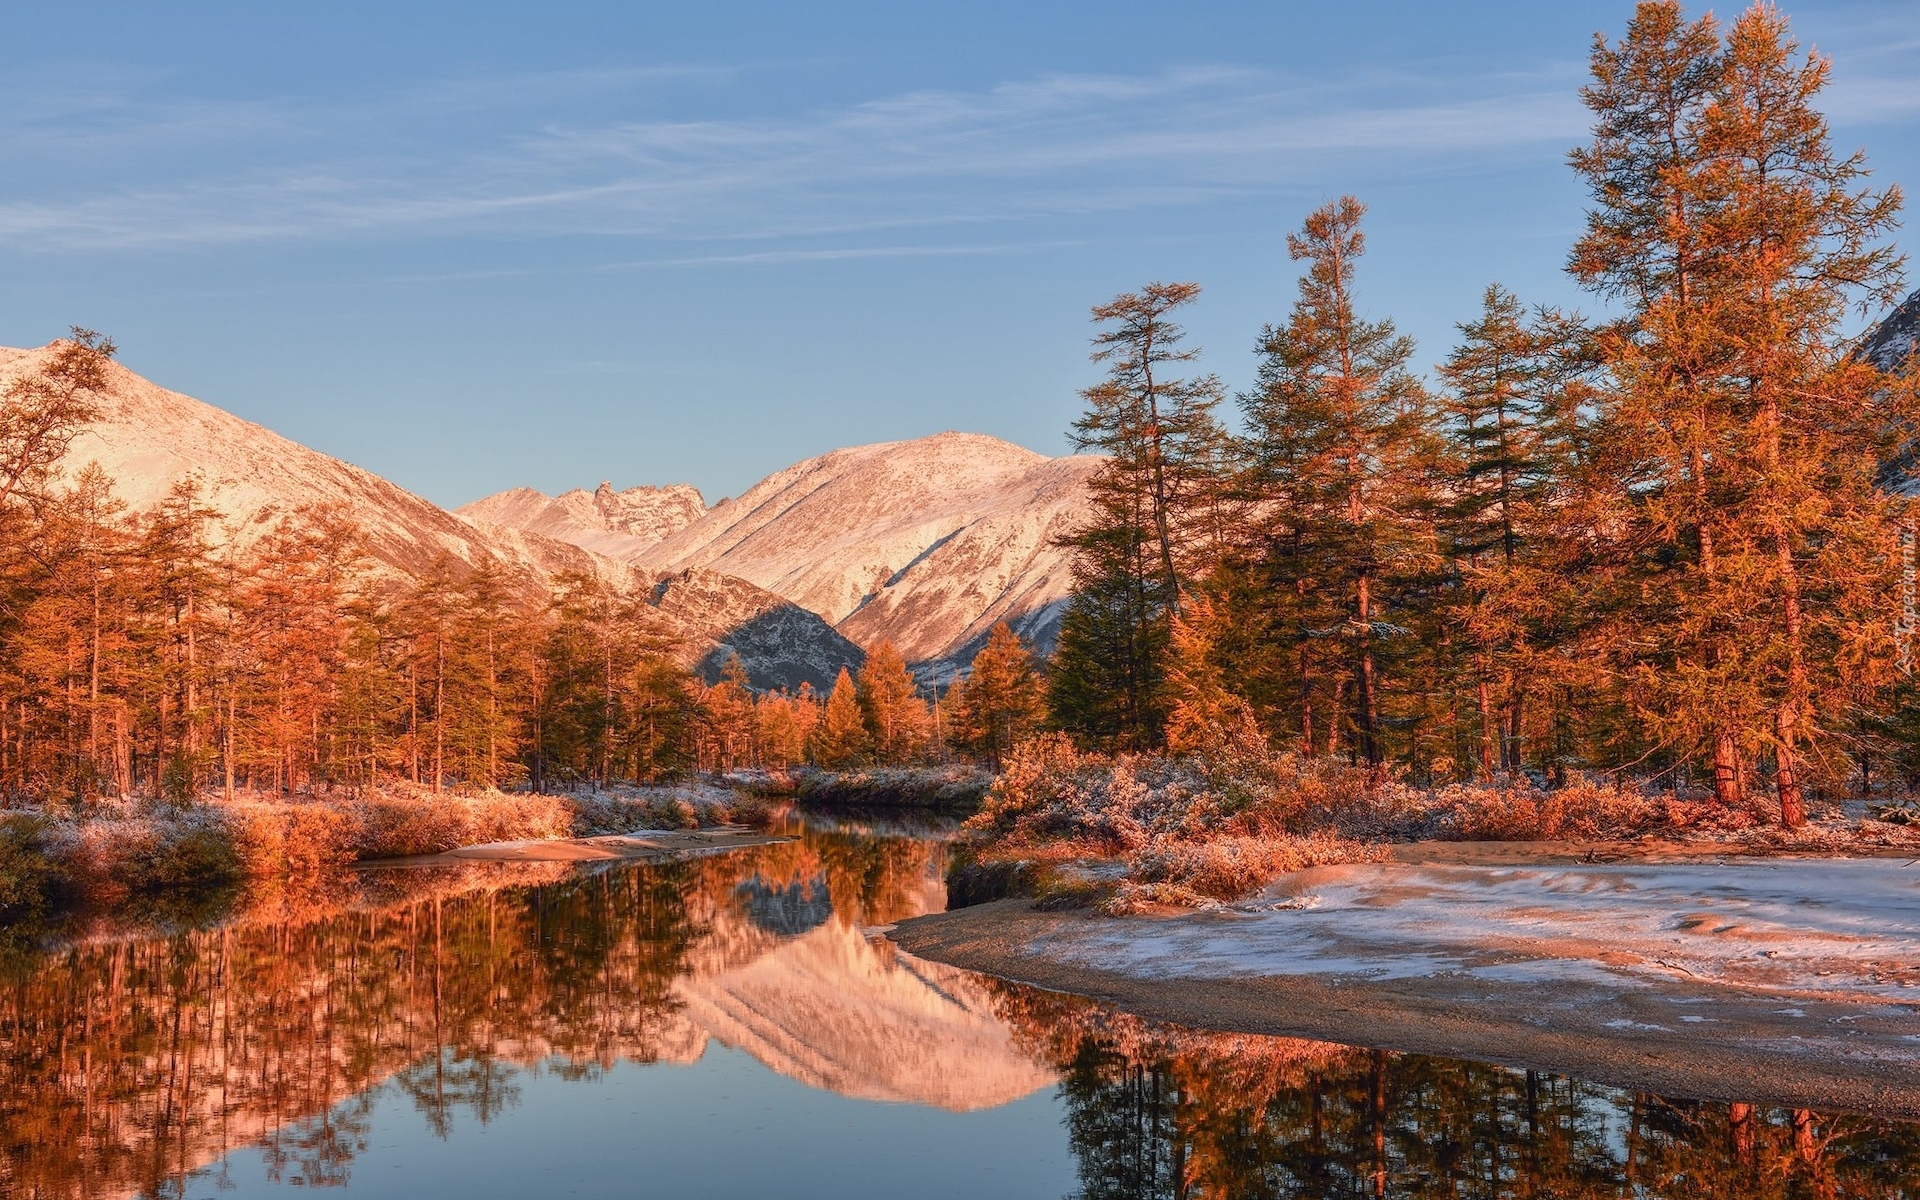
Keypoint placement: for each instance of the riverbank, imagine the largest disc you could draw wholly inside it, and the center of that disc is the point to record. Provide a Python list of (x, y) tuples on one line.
[(111, 850), (662, 845), (951, 789), (1786, 980)]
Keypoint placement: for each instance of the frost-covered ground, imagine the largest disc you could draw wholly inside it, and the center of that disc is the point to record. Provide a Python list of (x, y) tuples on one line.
[(1831, 928)]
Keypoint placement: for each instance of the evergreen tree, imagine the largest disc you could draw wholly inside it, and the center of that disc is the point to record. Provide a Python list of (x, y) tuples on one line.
[(1746, 438), (782, 725), (179, 585), (1155, 525), (291, 625), (1798, 236), (728, 711), (1505, 448), (896, 717), (488, 715), (840, 738), (41, 412), (1336, 444), (1107, 682), (1206, 711), (662, 712), (1003, 699)]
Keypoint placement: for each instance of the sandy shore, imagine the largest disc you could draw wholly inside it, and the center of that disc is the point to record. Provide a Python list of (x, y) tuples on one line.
[(1785, 981), (646, 846)]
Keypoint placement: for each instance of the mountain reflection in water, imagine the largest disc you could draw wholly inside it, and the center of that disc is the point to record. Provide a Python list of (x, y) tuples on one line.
[(296, 1039)]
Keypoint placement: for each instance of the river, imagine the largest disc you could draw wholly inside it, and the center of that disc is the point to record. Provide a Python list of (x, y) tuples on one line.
[(738, 1026)]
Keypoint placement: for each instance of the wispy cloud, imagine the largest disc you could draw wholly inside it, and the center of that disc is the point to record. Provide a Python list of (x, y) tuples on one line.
[(126, 165)]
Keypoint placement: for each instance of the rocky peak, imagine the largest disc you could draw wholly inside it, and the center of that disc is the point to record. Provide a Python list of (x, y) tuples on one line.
[(1892, 343)]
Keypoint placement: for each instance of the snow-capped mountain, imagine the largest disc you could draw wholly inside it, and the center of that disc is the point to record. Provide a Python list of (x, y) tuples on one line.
[(617, 524), (148, 438), (927, 542)]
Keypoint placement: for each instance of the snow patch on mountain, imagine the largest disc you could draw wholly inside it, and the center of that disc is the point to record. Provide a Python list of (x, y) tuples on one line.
[(1892, 344), (617, 524)]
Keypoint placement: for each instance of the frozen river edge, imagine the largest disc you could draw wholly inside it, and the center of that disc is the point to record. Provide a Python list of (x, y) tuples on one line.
[(1790, 981)]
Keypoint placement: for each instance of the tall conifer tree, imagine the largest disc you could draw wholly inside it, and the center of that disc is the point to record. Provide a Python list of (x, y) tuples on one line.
[(1336, 447), (1152, 531)]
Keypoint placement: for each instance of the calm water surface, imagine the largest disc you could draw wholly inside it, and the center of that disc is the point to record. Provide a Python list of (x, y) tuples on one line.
[(731, 1027)]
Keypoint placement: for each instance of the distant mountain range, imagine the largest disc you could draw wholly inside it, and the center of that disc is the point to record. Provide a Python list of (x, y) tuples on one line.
[(1892, 343), (928, 542)]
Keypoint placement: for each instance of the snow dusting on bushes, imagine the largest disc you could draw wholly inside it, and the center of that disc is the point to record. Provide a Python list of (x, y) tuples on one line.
[(117, 849), (1212, 826), (1223, 821), (954, 788)]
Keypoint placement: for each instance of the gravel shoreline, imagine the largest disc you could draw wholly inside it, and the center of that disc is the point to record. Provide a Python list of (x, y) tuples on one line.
[(1801, 1050)]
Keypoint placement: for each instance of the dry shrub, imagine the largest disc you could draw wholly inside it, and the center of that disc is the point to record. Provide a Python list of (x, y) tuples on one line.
[(1375, 805), (1221, 821), (184, 853), (317, 840), (1212, 826), (411, 820), (681, 806), (296, 840), (120, 847), (392, 827), (502, 817), (29, 877), (1227, 868), (954, 788)]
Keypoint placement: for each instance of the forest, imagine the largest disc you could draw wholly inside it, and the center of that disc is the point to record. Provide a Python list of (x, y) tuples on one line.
[(1665, 544), (153, 654)]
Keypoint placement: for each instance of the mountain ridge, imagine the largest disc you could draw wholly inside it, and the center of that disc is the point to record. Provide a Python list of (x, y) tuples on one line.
[(927, 542)]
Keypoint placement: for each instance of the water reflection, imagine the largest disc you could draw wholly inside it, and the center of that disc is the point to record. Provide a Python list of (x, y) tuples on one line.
[(304, 1026), (1154, 1112)]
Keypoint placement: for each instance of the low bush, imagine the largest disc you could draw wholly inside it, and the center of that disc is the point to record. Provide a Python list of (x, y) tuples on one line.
[(29, 876), (1220, 822), (1230, 867), (956, 788), (120, 849), (183, 853)]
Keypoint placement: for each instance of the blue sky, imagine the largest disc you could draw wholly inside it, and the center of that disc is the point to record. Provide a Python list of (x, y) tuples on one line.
[(477, 245)]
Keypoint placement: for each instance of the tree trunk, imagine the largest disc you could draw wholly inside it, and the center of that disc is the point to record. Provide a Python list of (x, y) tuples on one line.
[(1741, 1132), (1729, 781), (1487, 735), (1510, 732), (1366, 709), (1786, 775)]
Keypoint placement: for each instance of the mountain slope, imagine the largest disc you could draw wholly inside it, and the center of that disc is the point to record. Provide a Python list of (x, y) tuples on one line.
[(927, 542), (148, 438), (1894, 341)]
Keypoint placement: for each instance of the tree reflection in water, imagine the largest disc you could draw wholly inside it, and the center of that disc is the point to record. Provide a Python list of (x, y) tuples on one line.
[(127, 1063), (1154, 1112), (133, 1061)]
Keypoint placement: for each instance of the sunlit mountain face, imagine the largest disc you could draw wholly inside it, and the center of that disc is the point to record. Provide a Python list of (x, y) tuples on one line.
[(737, 1024), (925, 543)]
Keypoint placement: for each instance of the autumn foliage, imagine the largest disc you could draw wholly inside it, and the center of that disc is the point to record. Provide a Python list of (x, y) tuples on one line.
[(1659, 546)]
